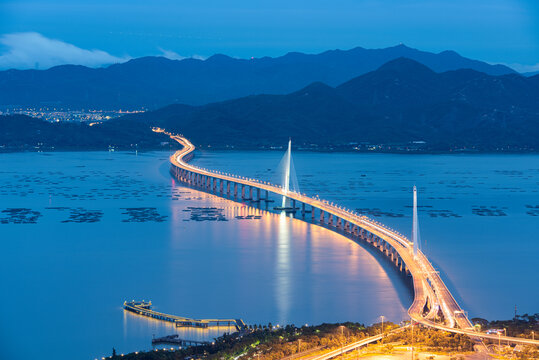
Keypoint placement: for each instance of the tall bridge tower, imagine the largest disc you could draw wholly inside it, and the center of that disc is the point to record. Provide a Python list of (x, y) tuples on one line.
[(286, 180), (415, 226)]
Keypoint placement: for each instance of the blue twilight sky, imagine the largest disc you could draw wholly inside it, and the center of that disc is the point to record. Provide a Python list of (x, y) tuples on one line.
[(40, 34)]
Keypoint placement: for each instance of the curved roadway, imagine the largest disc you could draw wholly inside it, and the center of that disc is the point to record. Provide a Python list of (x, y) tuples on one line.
[(428, 285)]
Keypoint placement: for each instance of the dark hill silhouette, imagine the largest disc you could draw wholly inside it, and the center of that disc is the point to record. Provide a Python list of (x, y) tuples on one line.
[(21, 133), (400, 102), (153, 82)]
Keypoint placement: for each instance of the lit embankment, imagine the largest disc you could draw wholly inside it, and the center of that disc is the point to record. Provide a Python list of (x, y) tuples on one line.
[(433, 303)]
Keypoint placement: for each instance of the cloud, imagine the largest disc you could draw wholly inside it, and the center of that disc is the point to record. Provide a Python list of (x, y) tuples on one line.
[(169, 54), (30, 50), (522, 68)]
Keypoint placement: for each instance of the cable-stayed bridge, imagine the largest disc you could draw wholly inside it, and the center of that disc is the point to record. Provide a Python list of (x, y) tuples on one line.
[(433, 304)]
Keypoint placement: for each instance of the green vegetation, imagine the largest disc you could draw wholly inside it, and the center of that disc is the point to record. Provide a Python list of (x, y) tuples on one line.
[(525, 326), (269, 343)]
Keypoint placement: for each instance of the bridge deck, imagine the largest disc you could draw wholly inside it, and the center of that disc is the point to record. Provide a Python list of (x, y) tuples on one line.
[(429, 287)]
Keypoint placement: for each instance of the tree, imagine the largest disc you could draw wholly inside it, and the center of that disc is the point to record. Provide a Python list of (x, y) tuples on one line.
[(113, 352)]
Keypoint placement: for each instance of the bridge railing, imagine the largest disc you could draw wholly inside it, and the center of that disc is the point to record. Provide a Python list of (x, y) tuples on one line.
[(279, 190), (423, 268)]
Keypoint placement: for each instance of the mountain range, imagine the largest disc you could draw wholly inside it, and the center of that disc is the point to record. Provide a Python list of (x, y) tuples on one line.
[(395, 107), (153, 82), (401, 102)]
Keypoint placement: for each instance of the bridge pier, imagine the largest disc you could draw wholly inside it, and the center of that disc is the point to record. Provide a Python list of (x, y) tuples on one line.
[(228, 188), (388, 242), (369, 238), (242, 191)]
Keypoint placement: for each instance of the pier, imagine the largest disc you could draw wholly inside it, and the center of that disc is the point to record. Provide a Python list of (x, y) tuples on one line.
[(143, 308)]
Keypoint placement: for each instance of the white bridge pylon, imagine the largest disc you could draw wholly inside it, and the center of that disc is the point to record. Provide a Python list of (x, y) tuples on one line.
[(427, 282), (415, 226), (286, 177)]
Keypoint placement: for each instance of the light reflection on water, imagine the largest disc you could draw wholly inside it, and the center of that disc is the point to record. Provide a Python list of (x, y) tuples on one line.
[(275, 269), (282, 268), (138, 326), (473, 207)]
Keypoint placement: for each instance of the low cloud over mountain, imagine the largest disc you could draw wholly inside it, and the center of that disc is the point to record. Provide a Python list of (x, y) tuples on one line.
[(31, 50)]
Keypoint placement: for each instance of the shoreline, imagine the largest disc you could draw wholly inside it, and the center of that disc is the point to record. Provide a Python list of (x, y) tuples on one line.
[(253, 149)]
